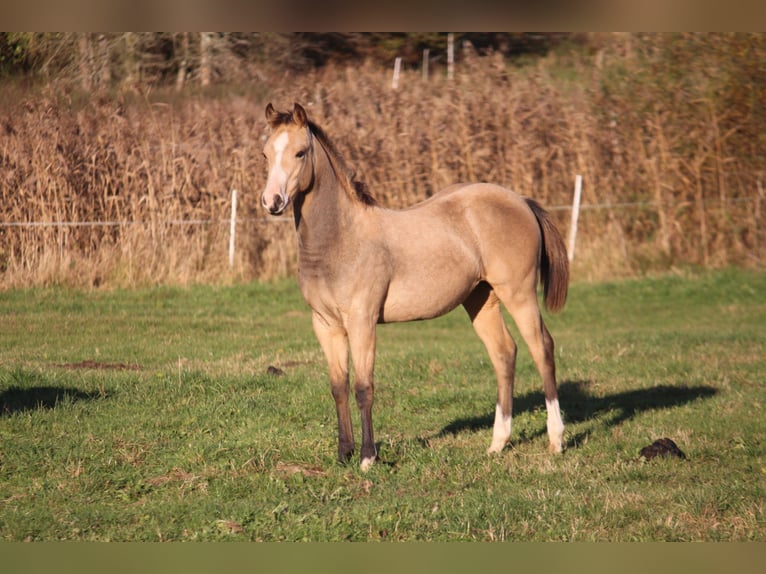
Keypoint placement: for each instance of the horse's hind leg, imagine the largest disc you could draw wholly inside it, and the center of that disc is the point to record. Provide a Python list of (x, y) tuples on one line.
[(525, 311), (483, 308)]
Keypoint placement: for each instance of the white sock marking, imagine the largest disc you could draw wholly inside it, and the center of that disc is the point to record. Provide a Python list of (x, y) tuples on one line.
[(555, 425), (501, 432)]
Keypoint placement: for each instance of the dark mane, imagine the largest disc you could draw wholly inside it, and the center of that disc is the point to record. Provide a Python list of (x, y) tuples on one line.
[(355, 188)]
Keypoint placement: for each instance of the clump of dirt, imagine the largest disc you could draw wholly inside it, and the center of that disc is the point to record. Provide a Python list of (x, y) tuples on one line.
[(664, 447), (274, 371)]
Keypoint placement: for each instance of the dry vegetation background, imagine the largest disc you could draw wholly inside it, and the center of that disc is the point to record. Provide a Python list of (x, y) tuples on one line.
[(668, 132)]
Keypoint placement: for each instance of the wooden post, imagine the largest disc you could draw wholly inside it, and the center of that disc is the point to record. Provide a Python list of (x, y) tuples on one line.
[(183, 60), (757, 213), (205, 41), (397, 70), (425, 64), (233, 226), (450, 56), (575, 216)]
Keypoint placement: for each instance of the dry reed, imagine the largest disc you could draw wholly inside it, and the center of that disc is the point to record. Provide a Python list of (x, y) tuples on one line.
[(670, 186)]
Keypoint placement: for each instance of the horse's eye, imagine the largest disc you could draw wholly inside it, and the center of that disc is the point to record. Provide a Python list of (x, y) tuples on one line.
[(300, 154)]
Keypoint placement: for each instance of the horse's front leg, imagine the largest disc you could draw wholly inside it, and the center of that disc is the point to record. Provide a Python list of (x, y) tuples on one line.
[(334, 343), (361, 334)]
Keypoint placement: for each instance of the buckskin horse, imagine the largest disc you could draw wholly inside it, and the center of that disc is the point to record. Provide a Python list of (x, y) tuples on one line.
[(359, 264)]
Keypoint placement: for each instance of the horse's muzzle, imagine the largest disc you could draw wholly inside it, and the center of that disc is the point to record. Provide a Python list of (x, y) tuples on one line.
[(277, 205)]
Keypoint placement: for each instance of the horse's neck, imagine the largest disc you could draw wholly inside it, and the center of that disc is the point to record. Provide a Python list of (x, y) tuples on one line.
[(324, 216)]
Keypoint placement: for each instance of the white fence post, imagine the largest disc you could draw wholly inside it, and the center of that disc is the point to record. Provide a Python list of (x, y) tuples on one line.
[(575, 216), (397, 70), (450, 56), (233, 226)]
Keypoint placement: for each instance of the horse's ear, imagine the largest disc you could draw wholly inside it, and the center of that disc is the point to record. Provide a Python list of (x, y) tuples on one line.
[(299, 115), (271, 114)]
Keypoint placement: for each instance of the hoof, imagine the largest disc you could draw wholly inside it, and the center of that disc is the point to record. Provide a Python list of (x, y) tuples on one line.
[(555, 448), (367, 463), (494, 448)]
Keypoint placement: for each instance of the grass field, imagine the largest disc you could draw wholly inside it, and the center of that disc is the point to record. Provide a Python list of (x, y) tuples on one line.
[(150, 415)]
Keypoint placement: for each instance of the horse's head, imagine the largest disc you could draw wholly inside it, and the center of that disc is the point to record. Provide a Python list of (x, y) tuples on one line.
[(289, 151)]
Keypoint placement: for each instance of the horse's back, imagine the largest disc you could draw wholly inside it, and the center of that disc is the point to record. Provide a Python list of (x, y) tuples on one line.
[(479, 197), (495, 215)]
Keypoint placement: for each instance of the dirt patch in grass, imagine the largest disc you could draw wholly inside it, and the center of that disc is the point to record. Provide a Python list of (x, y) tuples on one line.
[(290, 468), (98, 365)]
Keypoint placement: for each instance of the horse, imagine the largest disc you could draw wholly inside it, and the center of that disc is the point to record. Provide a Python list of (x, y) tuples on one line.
[(360, 265)]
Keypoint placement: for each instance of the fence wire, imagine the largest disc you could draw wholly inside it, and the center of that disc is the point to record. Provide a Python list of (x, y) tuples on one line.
[(576, 207), (584, 206)]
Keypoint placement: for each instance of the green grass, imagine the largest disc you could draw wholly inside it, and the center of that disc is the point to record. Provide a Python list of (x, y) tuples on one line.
[(149, 415)]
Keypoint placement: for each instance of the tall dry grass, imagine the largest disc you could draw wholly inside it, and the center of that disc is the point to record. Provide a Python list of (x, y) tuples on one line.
[(146, 174), (675, 176)]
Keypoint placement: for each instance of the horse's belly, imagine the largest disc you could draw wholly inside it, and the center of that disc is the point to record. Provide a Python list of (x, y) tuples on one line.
[(407, 301)]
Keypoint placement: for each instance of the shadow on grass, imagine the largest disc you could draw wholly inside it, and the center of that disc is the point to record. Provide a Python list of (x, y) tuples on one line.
[(17, 399), (579, 405)]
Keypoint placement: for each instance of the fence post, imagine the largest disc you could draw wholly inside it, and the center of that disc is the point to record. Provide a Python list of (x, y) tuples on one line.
[(758, 199), (233, 226), (575, 216), (397, 69), (425, 63), (450, 56)]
